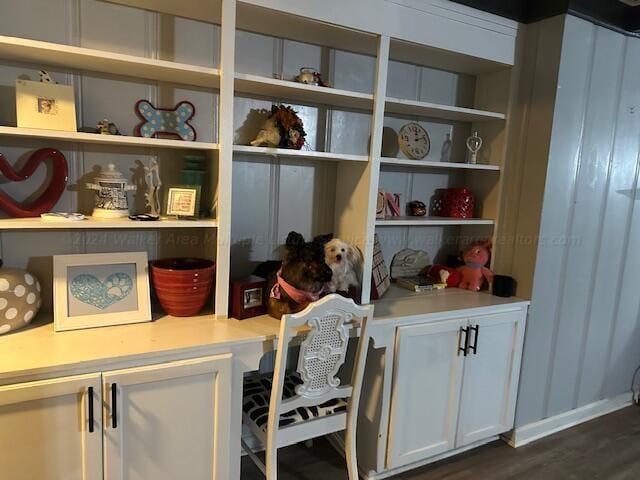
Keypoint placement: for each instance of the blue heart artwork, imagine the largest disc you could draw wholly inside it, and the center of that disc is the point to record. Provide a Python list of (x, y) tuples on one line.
[(88, 289)]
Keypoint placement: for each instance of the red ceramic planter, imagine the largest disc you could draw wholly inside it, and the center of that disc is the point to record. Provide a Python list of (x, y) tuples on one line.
[(182, 285)]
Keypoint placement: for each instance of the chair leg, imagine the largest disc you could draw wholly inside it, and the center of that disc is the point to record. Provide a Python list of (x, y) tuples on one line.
[(350, 455), (271, 462)]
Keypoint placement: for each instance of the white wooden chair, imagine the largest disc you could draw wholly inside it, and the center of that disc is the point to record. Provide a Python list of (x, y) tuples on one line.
[(296, 406)]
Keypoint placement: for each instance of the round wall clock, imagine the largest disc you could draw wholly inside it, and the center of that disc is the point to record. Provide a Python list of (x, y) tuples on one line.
[(414, 141)]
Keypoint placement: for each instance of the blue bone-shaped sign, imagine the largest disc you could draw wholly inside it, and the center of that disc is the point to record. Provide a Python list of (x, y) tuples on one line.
[(173, 122)]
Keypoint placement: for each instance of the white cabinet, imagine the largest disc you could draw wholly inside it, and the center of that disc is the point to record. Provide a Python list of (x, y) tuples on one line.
[(161, 422), (168, 421), (489, 385), (45, 429), (426, 391), (454, 384)]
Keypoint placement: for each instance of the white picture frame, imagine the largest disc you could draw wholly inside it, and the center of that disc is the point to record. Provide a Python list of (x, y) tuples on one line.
[(48, 106), (99, 290), (183, 201)]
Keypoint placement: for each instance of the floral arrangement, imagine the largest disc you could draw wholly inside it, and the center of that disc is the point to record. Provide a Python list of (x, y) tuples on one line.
[(283, 129)]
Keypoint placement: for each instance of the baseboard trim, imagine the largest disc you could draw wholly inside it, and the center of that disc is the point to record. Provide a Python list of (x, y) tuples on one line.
[(534, 431)]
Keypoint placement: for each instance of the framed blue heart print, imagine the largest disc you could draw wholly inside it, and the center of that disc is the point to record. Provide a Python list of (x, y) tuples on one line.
[(96, 290)]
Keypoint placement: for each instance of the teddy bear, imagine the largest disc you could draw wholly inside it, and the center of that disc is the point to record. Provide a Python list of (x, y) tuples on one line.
[(474, 271)]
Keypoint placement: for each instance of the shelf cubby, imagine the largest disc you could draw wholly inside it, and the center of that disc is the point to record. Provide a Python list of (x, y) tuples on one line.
[(121, 140), (298, 92), (406, 221), (298, 154), (102, 224), (427, 165), (400, 106), (87, 59)]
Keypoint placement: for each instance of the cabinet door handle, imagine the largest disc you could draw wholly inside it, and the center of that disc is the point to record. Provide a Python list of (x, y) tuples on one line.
[(114, 405), (476, 329), (90, 400), (464, 349)]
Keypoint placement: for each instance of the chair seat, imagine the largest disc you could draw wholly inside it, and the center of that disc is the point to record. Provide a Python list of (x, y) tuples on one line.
[(257, 393)]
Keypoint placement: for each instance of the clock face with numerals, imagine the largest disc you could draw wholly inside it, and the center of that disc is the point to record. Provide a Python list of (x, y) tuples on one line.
[(414, 141)]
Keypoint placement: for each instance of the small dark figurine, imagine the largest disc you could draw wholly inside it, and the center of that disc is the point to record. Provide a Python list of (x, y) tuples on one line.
[(417, 208), (301, 279)]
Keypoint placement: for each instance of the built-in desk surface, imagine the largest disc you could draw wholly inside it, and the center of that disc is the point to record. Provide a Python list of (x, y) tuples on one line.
[(39, 349), (398, 304)]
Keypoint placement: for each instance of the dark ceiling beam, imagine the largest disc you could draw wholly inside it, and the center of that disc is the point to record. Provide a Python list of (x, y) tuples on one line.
[(610, 13)]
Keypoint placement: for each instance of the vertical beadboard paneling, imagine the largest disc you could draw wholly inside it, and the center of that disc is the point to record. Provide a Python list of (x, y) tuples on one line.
[(624, 355), (35, 19), (614, 234), (584, 328), (573, 80), (586, 214)]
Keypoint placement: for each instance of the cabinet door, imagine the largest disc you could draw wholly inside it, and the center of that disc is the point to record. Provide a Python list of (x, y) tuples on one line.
[(45, 430), (426, 390), (490, 377), (168, 421)]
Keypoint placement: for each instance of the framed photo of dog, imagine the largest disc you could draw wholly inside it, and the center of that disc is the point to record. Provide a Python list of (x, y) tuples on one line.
[(100, 290)]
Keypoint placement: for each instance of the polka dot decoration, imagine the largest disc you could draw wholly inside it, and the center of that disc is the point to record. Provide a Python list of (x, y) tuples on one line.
[(20, 299), (157, 122)]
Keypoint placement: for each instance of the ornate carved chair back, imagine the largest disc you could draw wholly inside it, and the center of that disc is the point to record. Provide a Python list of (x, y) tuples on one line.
[(330, 321)]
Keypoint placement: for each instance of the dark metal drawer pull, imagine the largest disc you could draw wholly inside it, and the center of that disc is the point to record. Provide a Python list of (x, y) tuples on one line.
[(114, 406), (476, 329), (464, 349), (90, 400)]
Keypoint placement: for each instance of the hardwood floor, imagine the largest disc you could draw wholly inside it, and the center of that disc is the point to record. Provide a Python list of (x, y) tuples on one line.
[(605, 448)]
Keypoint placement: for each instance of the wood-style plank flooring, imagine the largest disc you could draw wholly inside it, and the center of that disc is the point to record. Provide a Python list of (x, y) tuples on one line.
[(604, 448)]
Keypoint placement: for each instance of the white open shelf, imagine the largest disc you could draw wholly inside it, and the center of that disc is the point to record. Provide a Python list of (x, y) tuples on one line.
[(81, 137), (87, 59), (434, 110), (101, 224), (300, 154), (298, 92), (430, 221), (434, 164)]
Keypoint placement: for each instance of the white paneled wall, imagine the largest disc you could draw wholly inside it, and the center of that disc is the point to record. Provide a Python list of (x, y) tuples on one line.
[(100, 25), (583, 336)]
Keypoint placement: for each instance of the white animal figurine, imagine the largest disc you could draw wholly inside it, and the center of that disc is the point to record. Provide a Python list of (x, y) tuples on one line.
[(268, 136), (345, 261)]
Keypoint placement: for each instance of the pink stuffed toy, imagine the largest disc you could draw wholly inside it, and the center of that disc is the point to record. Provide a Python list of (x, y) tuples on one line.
[(474, 271)]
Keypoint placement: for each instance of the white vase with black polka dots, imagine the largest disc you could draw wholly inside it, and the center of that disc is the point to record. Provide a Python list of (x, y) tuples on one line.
[(20, 298)]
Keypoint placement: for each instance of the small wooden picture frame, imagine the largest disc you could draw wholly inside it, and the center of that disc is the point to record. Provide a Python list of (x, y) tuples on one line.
[(182, 201), (99, 290), (248, 297)]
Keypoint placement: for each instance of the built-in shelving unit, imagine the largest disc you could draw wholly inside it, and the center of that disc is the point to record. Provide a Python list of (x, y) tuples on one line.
[(430, 221), (124, 140), (357, 176), (299, 154), (426, 164), (102, 224), (298, 92), (87, 59)]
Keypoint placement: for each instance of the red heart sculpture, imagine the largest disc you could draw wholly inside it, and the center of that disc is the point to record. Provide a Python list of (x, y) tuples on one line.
[(52, 193)]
